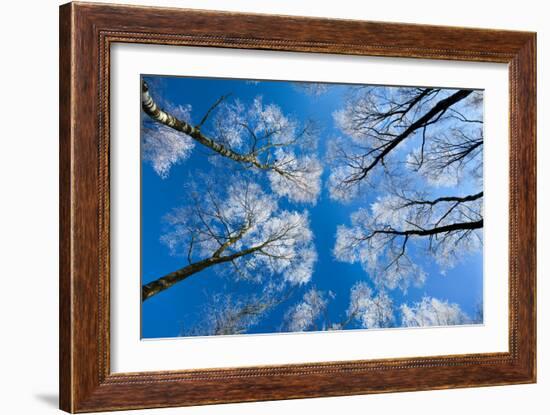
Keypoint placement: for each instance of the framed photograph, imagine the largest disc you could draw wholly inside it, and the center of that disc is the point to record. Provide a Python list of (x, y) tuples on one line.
[(260, 207)]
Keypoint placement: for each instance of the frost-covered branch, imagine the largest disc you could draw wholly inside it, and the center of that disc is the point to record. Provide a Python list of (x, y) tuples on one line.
[(365, 310), (447, 228), (259, 137), (229, 314), (368, 310), (431, 125), (239, 226), (307, 314), (400, 140), (433, 312), (446, 158), (314, 89)]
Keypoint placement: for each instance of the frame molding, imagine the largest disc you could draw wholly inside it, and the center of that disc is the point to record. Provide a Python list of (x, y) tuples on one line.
[(86, 33)]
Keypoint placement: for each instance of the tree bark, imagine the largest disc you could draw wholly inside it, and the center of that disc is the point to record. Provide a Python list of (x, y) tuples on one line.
[(154, 287), (156, 113)]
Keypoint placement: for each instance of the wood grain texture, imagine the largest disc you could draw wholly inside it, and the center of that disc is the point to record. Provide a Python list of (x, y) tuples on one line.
[(86, 33), (65, 247)]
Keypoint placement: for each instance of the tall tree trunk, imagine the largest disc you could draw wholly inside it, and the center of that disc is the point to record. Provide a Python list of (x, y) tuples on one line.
[(154, 287)]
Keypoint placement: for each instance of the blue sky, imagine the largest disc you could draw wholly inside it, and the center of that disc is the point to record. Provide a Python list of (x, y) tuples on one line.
[(180, 307)]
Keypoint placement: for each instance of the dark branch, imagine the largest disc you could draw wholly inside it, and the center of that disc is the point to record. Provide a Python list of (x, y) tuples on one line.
[(458, 199), (218, 102), (435, 113), (463, 226)]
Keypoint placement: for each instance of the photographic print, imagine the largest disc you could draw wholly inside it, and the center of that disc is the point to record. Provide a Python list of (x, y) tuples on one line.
[(274, 206)]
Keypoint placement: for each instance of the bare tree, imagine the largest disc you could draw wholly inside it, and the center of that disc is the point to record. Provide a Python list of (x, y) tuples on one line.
[(257, 137), (413, 137), (242, 228), (447, 228), (441, 131)]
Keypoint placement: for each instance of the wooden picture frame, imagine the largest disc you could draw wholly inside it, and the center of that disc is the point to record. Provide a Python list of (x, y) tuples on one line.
[(86, 33)]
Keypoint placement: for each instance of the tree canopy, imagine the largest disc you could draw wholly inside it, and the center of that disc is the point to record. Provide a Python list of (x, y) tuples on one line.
[(320, 208)]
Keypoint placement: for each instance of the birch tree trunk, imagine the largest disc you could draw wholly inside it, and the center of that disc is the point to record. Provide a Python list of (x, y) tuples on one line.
[(154, 287), (156, 113)]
